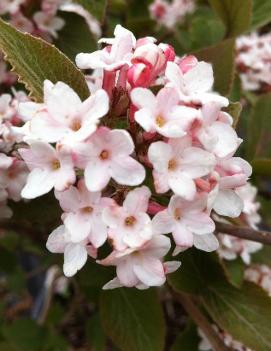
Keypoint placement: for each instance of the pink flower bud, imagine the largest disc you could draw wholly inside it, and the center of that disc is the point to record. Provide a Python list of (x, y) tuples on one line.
[(168, 51), (139, 75), (187, 63)]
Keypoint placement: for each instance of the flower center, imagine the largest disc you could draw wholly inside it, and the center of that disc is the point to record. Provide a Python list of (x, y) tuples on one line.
[(130, 221), (172, 164), (87, 209), (55, 164), (160, 121), (177, 214), (104, 155), (76, 125)]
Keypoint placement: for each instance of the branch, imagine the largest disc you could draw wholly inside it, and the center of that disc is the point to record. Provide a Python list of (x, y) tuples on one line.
[(247, 233), (202, 322)]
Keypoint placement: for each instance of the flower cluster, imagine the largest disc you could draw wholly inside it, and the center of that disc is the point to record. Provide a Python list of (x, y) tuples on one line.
[(169, 14), (232, 247), (150, 152), (228, 340), (254, 62), (13, 172)]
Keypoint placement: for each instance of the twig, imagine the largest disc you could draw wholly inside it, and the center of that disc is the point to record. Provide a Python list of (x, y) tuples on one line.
[(201, 321), (247, 233)]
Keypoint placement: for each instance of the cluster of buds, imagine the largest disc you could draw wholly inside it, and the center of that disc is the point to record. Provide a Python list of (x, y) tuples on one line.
[(129, 166), (228, 340), (13, 172), (233, 247), (169, 14), (254, 61)]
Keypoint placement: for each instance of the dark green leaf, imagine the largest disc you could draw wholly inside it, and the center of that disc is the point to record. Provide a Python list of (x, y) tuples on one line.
[(261, 13), (94, 7), (188, 340), (95, 334), (259, 129), (133, 319), (221, 56), (34, 60), (235, 14)]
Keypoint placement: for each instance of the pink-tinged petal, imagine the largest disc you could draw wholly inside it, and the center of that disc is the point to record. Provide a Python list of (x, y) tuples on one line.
[(206, 242), (184, 115), (199, 223), (137, 200), (98, 234), (56, 240), (141, 233), (200, 78), (162, 223), (113, 284), (143, 98), (174, 75), (233, 181), (227, 140), (183, 186), (127, 171), (5, 161), (75, 257), (145, 119), (40, 154), (121, 143), (237, 165), (39, 182), (150, 271), (160, 182), (171, 266), (158, 246), (27, 110), (112, 216), (65, 175), (86, 61), (182, 236), (78, 225), (69, 199), (96, 175), (210, 113), (197, 162), (57, 99), (159, 155), (126, 274), (228, 203), (47, 129), (171, 129), (167, 98), (96, 106)]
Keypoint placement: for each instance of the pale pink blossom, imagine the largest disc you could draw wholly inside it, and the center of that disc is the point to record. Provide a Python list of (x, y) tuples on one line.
[(48, 24), (177, 163), (230, 174), (194, 86), (162, 113), (10, 6), (22, 23), (75, 253), (216, 133), (112, 57), (141, 267), (107, 155), (56, 120), (260, 275), (129, 225), (83, 214), (189, 223), (49, 168)]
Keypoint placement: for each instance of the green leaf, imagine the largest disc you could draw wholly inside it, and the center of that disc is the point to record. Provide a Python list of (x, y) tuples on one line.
[(244, 313), (197, 269), (259, 129), (133, 319), (70, 41), (35, 60), (221, 56), (261, 13), (95, 334), (234, 270), (25, 335), (235, 14), (187, 340), (94, 7)]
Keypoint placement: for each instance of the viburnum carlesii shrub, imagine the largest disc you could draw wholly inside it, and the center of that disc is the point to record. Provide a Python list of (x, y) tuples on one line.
[(254, 61), (169, 14), (149, 153), (232, 247), (227, 339)]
